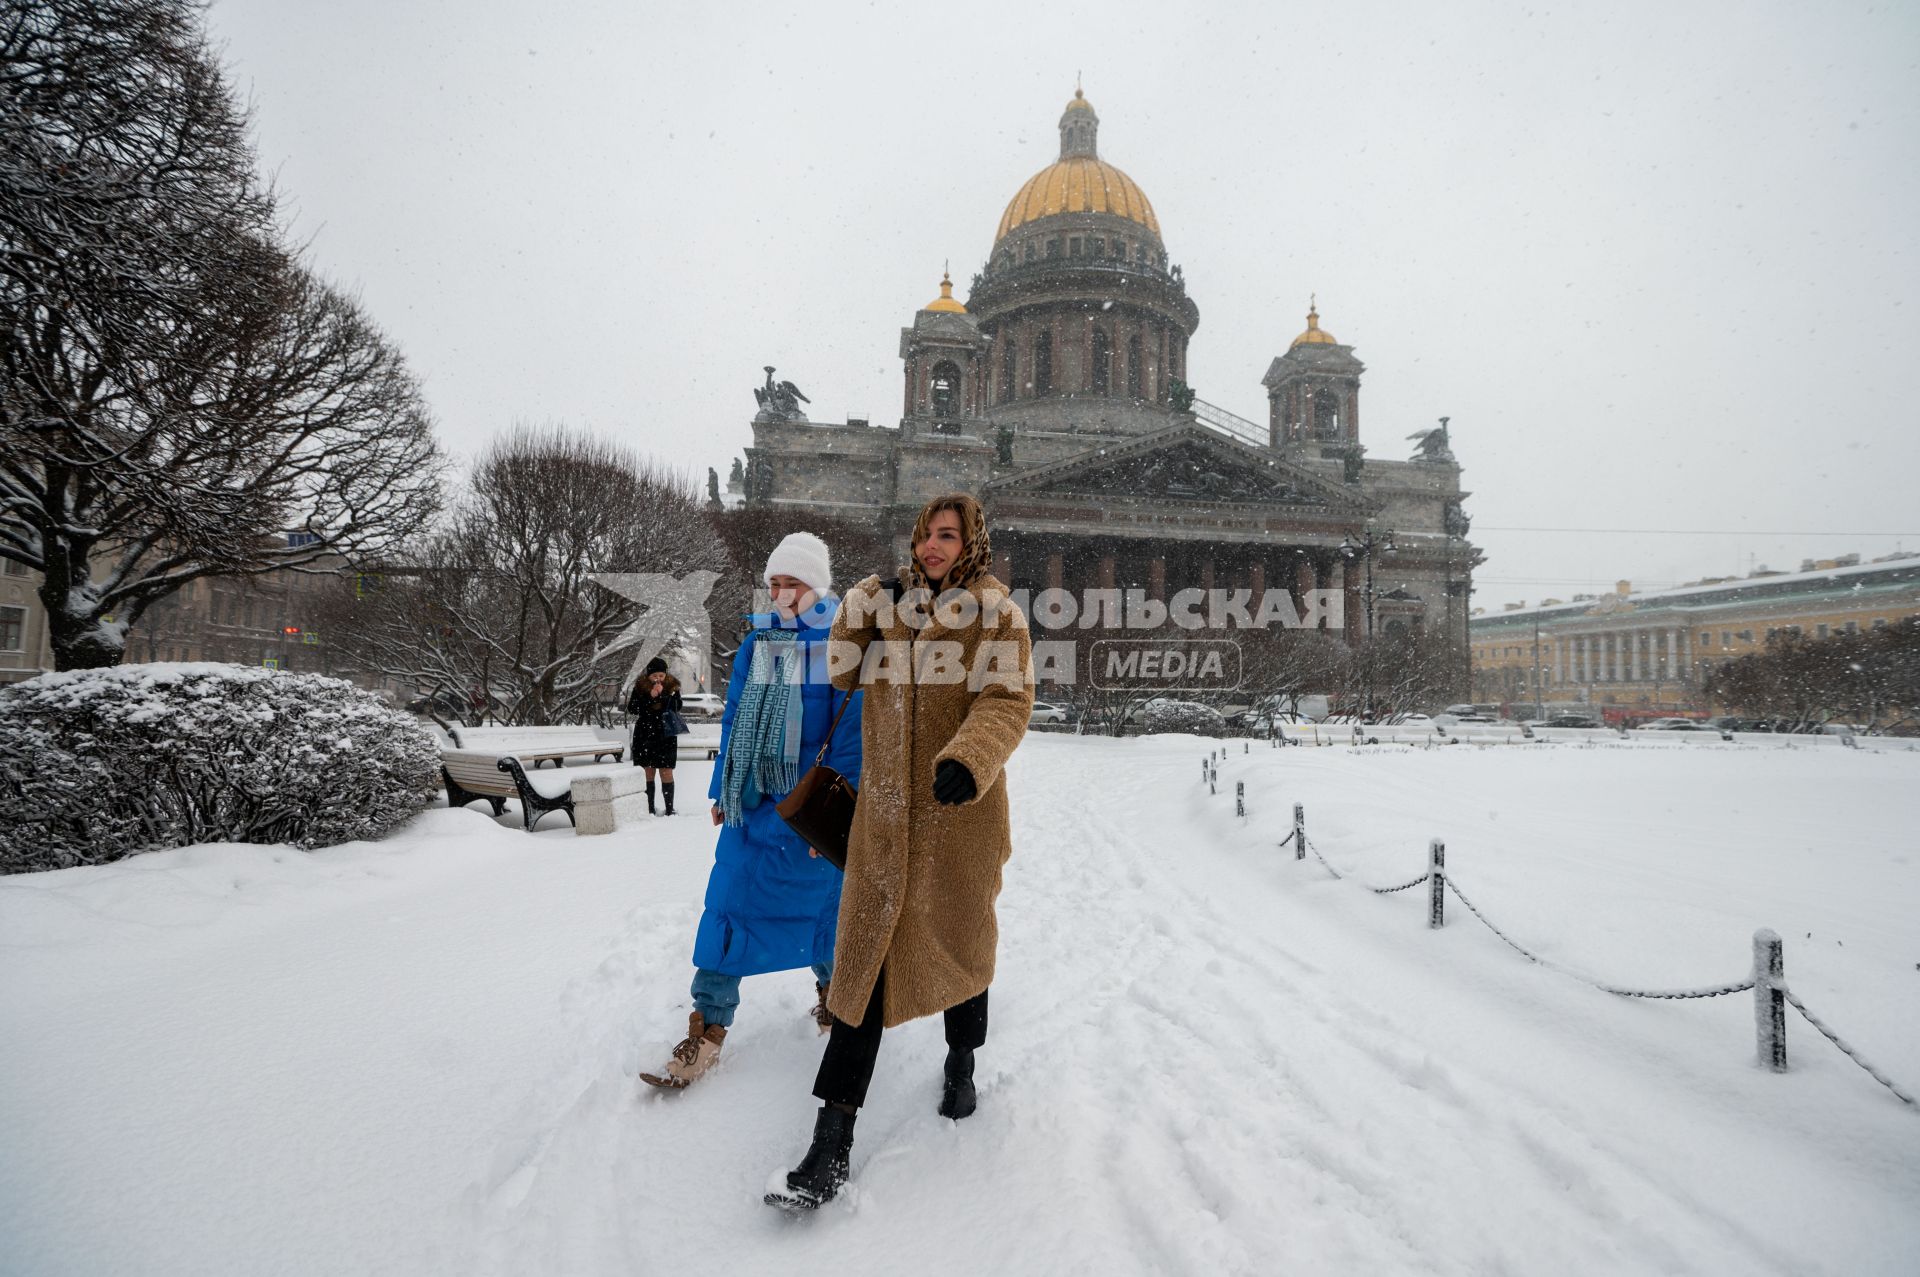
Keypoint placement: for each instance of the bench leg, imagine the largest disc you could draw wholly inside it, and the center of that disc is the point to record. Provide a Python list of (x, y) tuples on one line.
[(459, 795), (533, 804)]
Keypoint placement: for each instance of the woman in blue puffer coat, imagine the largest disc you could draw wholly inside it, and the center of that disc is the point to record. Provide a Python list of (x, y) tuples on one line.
[(772, 903)]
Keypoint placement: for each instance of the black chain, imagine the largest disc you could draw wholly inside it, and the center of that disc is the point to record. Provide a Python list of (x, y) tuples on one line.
[(1378, 891), (1848, 1051), (1288, 840), (1711, 992)]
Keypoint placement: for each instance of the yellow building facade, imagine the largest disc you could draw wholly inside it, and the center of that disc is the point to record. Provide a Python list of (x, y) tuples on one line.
[(1631, 654)]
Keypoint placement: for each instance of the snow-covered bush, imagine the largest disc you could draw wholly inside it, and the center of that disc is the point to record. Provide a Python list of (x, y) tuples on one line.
[(1189, 717), (100, 764)]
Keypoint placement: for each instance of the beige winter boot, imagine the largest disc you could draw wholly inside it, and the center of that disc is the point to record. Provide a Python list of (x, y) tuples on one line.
[(821, 1016), (697, 1053)]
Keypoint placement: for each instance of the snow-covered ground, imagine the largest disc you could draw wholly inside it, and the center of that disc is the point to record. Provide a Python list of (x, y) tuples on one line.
[(418, 1056)]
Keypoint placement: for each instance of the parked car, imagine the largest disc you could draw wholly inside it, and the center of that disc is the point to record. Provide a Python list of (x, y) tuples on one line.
[(1569, 720), (702, 704), (1413, 720), (1048, 712), (1674, 725)]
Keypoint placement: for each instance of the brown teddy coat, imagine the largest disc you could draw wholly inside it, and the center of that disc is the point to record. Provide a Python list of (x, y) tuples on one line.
[(921, 877)]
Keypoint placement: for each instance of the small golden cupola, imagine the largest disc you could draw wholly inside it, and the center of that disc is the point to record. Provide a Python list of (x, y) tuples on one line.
[(1315, 335), (945, 302)]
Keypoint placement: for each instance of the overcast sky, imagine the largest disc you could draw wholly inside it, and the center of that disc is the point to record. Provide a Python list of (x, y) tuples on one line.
[(1657, 262)]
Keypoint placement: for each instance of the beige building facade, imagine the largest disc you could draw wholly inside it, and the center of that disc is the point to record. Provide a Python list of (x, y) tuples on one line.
[(1646, 653)]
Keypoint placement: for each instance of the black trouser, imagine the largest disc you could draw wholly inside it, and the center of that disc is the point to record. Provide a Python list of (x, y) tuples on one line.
[(847, 1066)]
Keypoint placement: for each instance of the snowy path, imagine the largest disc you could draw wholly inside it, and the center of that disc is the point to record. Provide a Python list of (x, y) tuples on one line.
[(1205, 1055)]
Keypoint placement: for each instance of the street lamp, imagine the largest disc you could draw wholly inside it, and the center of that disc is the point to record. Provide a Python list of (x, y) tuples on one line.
[(1365, 545)]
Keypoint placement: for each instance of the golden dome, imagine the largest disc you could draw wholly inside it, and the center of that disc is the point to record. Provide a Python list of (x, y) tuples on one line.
[(1079, 184), (944, 302), (1315, 335), (1079, 102)]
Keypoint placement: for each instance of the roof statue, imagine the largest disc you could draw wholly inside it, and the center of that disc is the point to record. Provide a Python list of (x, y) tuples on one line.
[(779, 401)]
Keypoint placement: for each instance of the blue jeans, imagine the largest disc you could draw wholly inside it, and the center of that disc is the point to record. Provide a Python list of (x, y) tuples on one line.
[(717, 996)]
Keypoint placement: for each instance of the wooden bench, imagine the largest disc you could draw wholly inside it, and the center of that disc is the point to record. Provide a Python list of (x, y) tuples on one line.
[(536, 745), (493, 778)]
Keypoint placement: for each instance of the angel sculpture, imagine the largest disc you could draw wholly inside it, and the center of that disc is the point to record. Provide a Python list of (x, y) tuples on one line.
[(780, 400)]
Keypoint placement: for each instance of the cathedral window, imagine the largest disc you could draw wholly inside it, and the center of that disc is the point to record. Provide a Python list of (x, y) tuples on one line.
[(1053, 248), (946, 388), (1009, 375), (1101, 378), (1098, 246), (1033, 250), (1043, 362), (1135, 365), (1326, 415), (1073, 247)]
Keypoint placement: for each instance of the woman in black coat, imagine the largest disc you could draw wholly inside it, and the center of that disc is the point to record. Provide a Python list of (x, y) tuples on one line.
[(655, 747)]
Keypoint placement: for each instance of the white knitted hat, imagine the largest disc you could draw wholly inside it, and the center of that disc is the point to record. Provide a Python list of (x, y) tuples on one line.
[(804, 557)]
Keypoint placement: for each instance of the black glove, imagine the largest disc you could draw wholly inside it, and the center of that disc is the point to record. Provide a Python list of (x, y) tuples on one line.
[(893, 588), (953, 783)]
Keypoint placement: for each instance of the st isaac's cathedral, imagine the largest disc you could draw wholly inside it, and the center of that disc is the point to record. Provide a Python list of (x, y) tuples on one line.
[(1056, 394)]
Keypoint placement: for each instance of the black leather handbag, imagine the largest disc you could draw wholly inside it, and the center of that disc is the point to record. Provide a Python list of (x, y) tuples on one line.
[(820, 807)]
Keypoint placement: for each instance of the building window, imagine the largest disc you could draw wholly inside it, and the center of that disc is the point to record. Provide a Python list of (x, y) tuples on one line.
[(1043, 362), (1135, 382), (1852, 627), (1879, 622), (1073, 247), (1053, 248), (1008, 374), (16, 569), (1706, 638), (1820, 631), (946, 388), (1033, 250), (1102, 375), (1097, 247), (1120, 249), (13, 629)]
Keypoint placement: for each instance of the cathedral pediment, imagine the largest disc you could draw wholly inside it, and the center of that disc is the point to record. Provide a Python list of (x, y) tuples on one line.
[(1186, 464)]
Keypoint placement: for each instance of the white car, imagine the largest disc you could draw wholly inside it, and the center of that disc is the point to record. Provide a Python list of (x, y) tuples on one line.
[(1047, 712), (702, 704)]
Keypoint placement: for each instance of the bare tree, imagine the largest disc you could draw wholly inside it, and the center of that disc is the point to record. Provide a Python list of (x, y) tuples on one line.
[(179, 397), (497, 613)]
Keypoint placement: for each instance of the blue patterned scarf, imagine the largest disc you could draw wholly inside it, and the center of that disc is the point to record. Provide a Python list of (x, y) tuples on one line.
[(763, 749)]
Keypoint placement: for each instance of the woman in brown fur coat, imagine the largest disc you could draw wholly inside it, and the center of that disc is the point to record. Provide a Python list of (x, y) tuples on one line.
[(945, 661)]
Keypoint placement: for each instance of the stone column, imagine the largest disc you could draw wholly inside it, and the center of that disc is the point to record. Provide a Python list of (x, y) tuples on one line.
[(1106, 572), (1673, 655), (1207, 575), (1619, 658), (1157, 577), (1633, 664), (1559, 662)]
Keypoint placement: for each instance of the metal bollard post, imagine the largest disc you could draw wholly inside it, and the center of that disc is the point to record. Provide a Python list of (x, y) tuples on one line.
[(1246, 747), (1436, 885), (1212, 776), (1770, 999), (1299, 832), (1240, 798)]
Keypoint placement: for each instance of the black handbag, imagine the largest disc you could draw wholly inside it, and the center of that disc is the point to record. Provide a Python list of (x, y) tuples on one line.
[(820, 807), (675, 725)]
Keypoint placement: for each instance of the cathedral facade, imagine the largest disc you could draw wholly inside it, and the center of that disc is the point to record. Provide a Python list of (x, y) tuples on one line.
[(1056, 394)]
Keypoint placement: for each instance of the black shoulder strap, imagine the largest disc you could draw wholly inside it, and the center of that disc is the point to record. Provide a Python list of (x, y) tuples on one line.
[(846, 700)]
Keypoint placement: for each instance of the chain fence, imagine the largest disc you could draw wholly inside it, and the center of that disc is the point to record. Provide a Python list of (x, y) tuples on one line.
[(1767, 982)]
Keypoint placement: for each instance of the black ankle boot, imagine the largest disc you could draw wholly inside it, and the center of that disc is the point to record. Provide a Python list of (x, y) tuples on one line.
[(824, 1169), (666, 790), (958, 1099), (651, 811)]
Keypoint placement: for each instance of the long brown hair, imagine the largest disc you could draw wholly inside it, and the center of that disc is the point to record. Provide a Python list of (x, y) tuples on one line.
[(976, 554)]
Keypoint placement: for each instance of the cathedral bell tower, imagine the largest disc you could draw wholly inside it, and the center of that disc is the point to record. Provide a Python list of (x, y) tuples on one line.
[(945, 358), (1313, 397)]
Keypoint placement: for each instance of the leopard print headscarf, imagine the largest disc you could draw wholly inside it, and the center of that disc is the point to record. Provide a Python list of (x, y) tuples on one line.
[(976, 556)]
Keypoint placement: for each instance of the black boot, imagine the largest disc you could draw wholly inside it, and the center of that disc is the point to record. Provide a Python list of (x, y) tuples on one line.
[(666, 790), (651, 811), (958, 1099), (824, 1169)]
